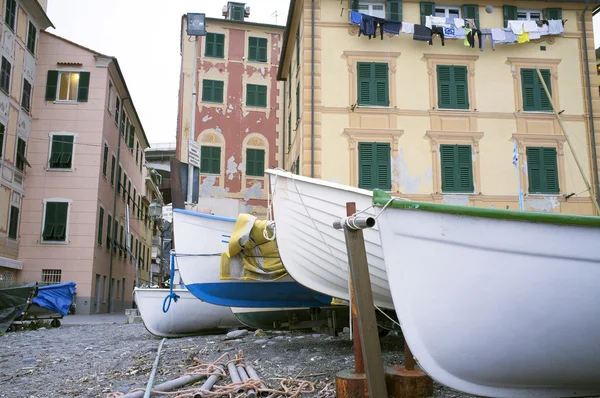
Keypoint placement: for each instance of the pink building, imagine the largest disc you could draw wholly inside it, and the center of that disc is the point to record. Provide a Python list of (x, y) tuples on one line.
[(238, 117), (73, 225)]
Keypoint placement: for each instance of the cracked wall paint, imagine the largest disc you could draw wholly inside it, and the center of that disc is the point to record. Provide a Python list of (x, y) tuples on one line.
[(218, 130), (242, 167), (208, 188), (457, 200), (428, 176), (206, 118), (545, 204), (254, 192), (402, 177), (245, 113), (232, 168)]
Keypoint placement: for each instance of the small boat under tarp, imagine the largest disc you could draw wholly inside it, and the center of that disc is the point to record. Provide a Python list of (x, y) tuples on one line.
[(13, 300)]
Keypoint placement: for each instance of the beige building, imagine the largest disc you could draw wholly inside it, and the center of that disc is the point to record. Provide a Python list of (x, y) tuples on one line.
[(21, 22), (439, 122), (87, 168)]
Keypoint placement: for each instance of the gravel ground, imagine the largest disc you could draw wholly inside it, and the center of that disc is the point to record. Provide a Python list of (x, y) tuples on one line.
[(93, 360)]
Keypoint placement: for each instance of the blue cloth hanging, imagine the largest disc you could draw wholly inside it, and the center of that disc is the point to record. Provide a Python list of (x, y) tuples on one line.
[(355, 17)]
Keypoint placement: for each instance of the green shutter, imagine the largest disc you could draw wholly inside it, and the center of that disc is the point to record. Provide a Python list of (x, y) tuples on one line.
[(100, 225), (237, 13), (444, 78), (214, 45), (212, 91), (255, 162), (457, 168), (84, 87), (510, 14), (298, 102), (545, 104), (542, 170), (61, 152), (553, 14), (131, 136), (104, 160), (262, 96), (298, 46), (210, 159), (453, 90), (13, 228), (461, 89), (55, 222), (220, 46), (364, 83), (251, 94), (2, 141), (471, 11), (51, 85), (394, 10), (262, 49), (427, 8), (374, 167), (380, 73), (108, 226), (534, 95), (112, 171), (252, 49), (372, 85), (354, 5)]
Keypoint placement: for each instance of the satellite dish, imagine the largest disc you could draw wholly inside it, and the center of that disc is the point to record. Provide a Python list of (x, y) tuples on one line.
[(489, 9)]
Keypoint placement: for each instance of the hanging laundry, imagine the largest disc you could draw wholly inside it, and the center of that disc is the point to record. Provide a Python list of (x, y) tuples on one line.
[(461, 33), (440, 21), (470, 23), (408, 28), (466, 42), (459, 22), (534, 35), (523, 38), (378, 22), (392, 27), (516, 26), (498, 35), (450, 33), (428, 22), (367, 26), (422, 33), (355, 17), (555, 27), (543, 30), (485, 34), (470, 39), (510, 36), (437, 31), (530, 26)]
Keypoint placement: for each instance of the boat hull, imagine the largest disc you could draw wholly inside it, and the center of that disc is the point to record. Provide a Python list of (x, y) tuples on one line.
[(494, 307), (186, 317), (288, 318), (313, 252)]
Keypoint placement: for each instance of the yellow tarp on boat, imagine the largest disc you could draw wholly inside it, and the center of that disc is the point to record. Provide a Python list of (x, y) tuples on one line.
[(250, 256)]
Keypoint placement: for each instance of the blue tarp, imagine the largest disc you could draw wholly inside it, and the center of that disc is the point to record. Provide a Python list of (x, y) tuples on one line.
[(56, 297)]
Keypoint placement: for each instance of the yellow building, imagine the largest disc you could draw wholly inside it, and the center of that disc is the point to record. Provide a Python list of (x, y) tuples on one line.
[(435, 122)]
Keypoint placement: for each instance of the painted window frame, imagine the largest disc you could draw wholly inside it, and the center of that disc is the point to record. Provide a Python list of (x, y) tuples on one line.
[(4, 74), (100, 226), (433, 60), (10, 18), (354, 57), (31, 41), (528, 13), (51, 143), (446, 11), (105, 153), (58, 85), (10, 219), (45, 202), (26, 95), (369, 8), (456, 163), (518, 63)]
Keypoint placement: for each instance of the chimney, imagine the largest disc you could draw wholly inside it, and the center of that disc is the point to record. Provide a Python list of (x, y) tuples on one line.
[(235, 11)]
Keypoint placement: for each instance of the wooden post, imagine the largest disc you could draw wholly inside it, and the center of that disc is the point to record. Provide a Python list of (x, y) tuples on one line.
[(359, 364), (363, 297)]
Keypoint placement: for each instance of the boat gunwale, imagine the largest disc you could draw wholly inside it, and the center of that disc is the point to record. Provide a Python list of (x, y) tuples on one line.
[(204, 215), (276, 173), (381, 199)]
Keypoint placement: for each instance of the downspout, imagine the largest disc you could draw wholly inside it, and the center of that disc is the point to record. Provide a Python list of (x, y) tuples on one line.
[(589, 98), (283, 151), (312, 93)]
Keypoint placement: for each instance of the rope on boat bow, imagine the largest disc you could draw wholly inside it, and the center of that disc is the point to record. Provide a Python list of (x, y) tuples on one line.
[(171, 296)]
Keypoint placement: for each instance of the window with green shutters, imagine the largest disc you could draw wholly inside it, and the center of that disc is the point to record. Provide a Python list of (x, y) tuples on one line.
[(298, 102), (256, 95), (105, 160), (214, 45), (374, 165), (453, 89), (26, 95), (13, 224), (2, 141), (297, 47), (257, 49), (372, 87), (114, 236), (471, 11), (100, 225), (108, 229), (69, 87), (31, 37), (553, 14), (255, 162), (542, 170), (534, 95), (21, 159), (394, 10), (457, 168), (112, 170), (55, 222), (5, 75), (10, 13), (121, 246), (237, 13), (509, 14), (210, 159), (212, 91), (131, 137), (427, 8), (61, 152)]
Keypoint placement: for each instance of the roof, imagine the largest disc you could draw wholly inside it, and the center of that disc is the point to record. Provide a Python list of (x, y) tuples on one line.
[(37, 11), (120, 73), (234, 22)]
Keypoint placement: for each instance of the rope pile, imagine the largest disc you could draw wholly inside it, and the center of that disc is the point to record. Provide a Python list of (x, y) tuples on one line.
[(247, 387)]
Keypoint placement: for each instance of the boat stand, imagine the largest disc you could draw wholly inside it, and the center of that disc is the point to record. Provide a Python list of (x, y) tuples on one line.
[(328, 325), (368, 378)]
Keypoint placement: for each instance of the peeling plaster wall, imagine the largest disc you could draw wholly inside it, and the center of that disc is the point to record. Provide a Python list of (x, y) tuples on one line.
[(545, 204)]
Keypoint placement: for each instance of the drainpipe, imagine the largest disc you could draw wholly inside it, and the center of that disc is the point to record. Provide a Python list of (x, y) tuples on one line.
[(312, 93), (589, 98), (283, 151)]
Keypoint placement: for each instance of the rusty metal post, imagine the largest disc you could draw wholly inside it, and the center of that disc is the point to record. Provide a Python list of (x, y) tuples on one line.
[(409, 360), (359, 364)]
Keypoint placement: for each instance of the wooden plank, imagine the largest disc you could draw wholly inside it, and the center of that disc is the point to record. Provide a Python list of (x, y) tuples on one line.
[(367, 322)]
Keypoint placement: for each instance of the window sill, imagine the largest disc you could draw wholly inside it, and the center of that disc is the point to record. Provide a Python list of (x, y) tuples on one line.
[(30, 52), (4, 91), (543, 195), (374, 106), (551, 113), (53, 242), (60, 170), (69, 102), (213, 56), (209, 174), (459, 193), (27, 111), (452, 110), (255, 107), (255, 176), (257, 61), (212, 102)]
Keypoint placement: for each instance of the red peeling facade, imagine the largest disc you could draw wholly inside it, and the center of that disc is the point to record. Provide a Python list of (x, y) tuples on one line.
[(232, 125)]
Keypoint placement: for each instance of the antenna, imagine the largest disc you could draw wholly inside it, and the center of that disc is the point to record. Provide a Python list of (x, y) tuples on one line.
[(275, 14)]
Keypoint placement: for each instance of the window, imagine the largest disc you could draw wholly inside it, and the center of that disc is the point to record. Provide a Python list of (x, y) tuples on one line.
[(141, 160), (237, 13), (257, 49), (124, 183), (121, 247), (131, 137), (108, 231), (453, 90), (115, 232), (373, 8), (51, 276), (67, 86), (298, 102), (105, 160), (512, 13), (457, 168), (256, 95), (113, 162), (137, 152), (297, 48), (100, 225), (109, 96), (255, 162), (13, 224), (124, 121), (2, 140), (117, 110), (10, 13), (21, 160), (542, 170), (128, 194), (133, 202), (119, 179), (534, 95), (529, 15), (5, 75), (210, 159), (55, 222), (139, 207), (447, 12), (214, 45), (373, 84), (212, 91), (31, 36), (26, 95), (61, 152), (374, 165)]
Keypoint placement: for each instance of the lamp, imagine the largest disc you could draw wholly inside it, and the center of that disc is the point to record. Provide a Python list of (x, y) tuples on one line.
[(155, 210)]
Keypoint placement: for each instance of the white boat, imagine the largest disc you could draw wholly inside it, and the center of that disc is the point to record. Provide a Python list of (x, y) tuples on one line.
[(312, 251), (188, 316), (497, 303)]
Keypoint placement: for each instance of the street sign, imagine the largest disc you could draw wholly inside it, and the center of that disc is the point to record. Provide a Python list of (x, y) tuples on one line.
[(194, 153)]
